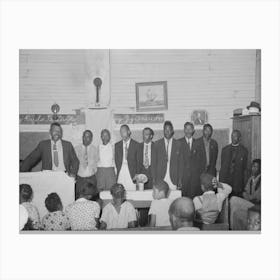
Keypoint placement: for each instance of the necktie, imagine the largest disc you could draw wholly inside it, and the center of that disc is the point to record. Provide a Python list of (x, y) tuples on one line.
[(167, 149), (146, 156), (55, 155), (125, 151), (86, 156)]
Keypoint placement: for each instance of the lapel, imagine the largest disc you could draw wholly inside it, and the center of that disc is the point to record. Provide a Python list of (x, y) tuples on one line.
[(162, 148), (49, 151), (63, 144)]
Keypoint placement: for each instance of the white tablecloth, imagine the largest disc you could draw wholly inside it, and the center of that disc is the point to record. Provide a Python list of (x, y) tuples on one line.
[(146, 195), (46, 182)]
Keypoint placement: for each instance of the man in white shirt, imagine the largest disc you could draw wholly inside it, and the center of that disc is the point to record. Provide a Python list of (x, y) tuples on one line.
[(88, 157)]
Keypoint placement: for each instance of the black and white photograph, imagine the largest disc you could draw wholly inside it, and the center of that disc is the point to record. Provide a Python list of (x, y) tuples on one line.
[(89, 161), (139, 140)]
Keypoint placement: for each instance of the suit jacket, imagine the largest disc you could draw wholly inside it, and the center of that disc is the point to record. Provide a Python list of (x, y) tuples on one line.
[(161, 161), (150, 171), (189, 172), (132, 157), (213, 154), (43, 153), (237, 178)]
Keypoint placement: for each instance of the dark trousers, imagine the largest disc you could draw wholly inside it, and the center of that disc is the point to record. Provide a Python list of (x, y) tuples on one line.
[(80, 181)]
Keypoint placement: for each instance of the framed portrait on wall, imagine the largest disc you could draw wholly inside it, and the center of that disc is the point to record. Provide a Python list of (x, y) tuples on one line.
[(199, 117), (151, 96)]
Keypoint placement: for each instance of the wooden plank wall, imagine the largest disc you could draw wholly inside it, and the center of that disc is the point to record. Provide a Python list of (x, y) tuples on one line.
[(215, 80)]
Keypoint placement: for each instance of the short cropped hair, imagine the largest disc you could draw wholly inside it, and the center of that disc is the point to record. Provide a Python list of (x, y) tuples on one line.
[(168, 123), (151, 131), (189, 123), (237, 131), (117, 190), (105, 130), (55, 124), (183, 209), (88, 188), (89, 131), (162, 186), (206, 181), (208, 125), (25, 191), (125, 126), (53, 202)]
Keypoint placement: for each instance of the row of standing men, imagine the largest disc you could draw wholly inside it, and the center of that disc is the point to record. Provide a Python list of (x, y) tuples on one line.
[(179, 162)]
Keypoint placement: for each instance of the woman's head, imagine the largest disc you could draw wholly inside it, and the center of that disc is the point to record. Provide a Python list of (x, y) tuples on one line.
[(118, 192), (88, 191), (25, 193), (53, 202), (256, 167)]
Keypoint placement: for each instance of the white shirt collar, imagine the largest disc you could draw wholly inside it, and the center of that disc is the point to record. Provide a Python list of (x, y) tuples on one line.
[(149, 144), (58, 142), (81, 199), (189, 139), (209, 192), (127, 142)]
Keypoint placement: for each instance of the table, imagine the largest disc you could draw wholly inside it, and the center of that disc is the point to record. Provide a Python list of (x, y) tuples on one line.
[(46, 182), (139, 199)]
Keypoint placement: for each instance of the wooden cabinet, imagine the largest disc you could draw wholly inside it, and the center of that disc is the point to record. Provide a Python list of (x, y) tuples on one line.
[(250, 128)]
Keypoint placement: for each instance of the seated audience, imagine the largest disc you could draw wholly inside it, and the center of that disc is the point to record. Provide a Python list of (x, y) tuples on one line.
[(209, 205), (181, 214), (25, 199), (254, 218), (160, 205), (56, 219), (84, 213), (251, 196), (119, 213)]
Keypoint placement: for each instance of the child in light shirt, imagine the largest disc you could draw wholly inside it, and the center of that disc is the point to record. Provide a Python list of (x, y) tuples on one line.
[(25, 199), (119, 213), (56, 219), (160, 205), (84, 213), (254, 218), (210, 203), (106, 176)]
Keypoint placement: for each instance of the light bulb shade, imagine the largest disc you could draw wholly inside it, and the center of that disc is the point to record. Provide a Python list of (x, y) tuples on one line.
[(55, 108)]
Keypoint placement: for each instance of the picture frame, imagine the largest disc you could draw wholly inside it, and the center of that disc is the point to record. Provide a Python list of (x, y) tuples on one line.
[(199, 117), (151, 96)]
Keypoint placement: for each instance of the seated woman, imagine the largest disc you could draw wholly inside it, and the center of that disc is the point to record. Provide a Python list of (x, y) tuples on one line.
[(251, 196), (119, 213)]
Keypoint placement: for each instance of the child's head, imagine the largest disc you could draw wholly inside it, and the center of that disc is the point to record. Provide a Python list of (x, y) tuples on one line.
[(160, 190), (206, 182), (53, 202), (25, 193), (254, 218), (88, 191), (118, 192), (256, 167)]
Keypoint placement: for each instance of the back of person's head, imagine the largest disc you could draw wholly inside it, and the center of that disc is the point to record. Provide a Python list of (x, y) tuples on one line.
[(25, 193), (254, 218), (53, 202), (181, 211), (206, 180), (88, 191), (118, 191), (162, 186)]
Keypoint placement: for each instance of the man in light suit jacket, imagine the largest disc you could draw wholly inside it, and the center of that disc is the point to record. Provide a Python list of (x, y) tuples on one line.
[(188, 163), (56, 154), (147, 157), (234, 164), (207, 151), (127, 159), (167, 157)]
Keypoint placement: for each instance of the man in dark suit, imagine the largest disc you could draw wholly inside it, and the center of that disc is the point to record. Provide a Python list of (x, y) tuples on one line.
[(56, 154), (188, 163), (207, 149), (234, 164), (167, 157), (147, 157), (127, 159)]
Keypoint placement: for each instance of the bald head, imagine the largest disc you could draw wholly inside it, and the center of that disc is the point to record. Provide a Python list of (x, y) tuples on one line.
[(181, 212)]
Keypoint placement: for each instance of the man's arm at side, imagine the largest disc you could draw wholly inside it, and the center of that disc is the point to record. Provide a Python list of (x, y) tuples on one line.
[(74, 160)]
